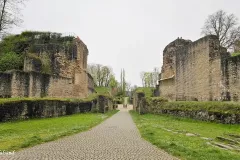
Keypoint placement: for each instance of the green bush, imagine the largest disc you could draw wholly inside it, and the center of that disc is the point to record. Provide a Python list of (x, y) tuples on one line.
[(118, 100), (157, 104), (217, 107), (11, 61), (14, 43), (148, 91), (235, 54)]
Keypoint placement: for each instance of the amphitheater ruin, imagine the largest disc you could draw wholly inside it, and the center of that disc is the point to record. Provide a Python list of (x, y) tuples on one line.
[(199, 71), (64, 74)]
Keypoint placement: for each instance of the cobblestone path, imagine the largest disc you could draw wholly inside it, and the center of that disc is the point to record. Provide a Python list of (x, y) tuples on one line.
[(117, 138)]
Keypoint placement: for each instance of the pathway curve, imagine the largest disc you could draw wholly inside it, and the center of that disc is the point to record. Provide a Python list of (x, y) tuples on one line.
[(117, 138)]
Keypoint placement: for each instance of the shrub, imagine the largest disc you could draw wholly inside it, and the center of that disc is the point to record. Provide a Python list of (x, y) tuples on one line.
[(155, 103), (235, 54), (148, 91), (11, 61), (217, 107)]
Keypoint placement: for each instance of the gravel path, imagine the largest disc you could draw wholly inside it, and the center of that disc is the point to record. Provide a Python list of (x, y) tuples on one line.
[(117, 138)]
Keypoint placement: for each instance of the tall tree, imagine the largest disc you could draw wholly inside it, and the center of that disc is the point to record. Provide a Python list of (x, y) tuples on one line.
[(150, 79), (9, 14), (224, 26), (155, 76), (101, 74), (124, 83)]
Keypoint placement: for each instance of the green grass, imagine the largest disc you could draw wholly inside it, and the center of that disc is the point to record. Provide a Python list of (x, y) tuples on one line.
[(21, 134), (152, 127)]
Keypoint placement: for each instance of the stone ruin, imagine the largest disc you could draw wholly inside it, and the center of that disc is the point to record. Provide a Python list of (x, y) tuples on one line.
[(50, 70), (199, 71)]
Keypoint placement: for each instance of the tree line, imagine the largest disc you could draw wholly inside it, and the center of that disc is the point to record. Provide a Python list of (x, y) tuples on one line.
[(150, 79), (103, 76)]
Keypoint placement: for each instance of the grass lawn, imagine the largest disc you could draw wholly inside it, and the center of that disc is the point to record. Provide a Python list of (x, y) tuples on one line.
[(21, 134), (155, 129)]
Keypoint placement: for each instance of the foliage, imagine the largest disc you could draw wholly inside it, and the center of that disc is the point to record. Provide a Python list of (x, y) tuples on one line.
[(122, 86), (32, 42), (14, 43), (9, 14), (235, 54), (21, 134), (113, 82), (90, 98), (10, 61), (224, 26), (150, 79), (118, 100), (154, 129), (103, 90), (212, 106), (102, 75), (148, 91)]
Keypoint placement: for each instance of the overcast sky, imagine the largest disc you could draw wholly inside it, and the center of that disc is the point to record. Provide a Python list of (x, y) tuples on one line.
[(129, 34)]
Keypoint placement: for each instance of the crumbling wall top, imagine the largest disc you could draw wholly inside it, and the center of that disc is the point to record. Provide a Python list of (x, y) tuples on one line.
[(175, 44)]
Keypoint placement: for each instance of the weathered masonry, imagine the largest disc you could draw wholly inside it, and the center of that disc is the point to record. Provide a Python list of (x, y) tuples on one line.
[(199, 71), (50, 70)]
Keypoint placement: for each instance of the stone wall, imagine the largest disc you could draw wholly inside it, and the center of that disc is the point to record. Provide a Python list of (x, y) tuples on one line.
[(35, 84), (194, 71), (90, 84), (220, 112), (25, 109), (5, 85), (63, 65), (167, 88), (231, 69), (198, 71)]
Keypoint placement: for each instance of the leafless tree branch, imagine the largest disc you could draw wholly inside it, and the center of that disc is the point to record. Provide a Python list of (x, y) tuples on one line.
[(224, 26), (10, 14)]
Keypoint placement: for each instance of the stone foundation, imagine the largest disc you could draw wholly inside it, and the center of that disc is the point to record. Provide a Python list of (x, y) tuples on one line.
[(26, 109), (158, 105)]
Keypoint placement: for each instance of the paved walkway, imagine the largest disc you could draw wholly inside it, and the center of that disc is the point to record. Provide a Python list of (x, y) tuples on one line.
[(117, 138)]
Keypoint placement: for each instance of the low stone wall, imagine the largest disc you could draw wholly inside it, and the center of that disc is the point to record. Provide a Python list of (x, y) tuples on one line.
[(221, 112), (25, 109), (205, 116)]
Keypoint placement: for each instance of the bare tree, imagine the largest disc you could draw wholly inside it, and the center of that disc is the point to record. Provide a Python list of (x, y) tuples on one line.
[(9, 14), (142, 78), (224, 26), (150, 79), (128, 86), (155, 76), (101, 74)]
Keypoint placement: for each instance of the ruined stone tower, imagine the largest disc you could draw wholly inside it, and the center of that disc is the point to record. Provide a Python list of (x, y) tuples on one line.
[(199, 71), (57, 68)]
